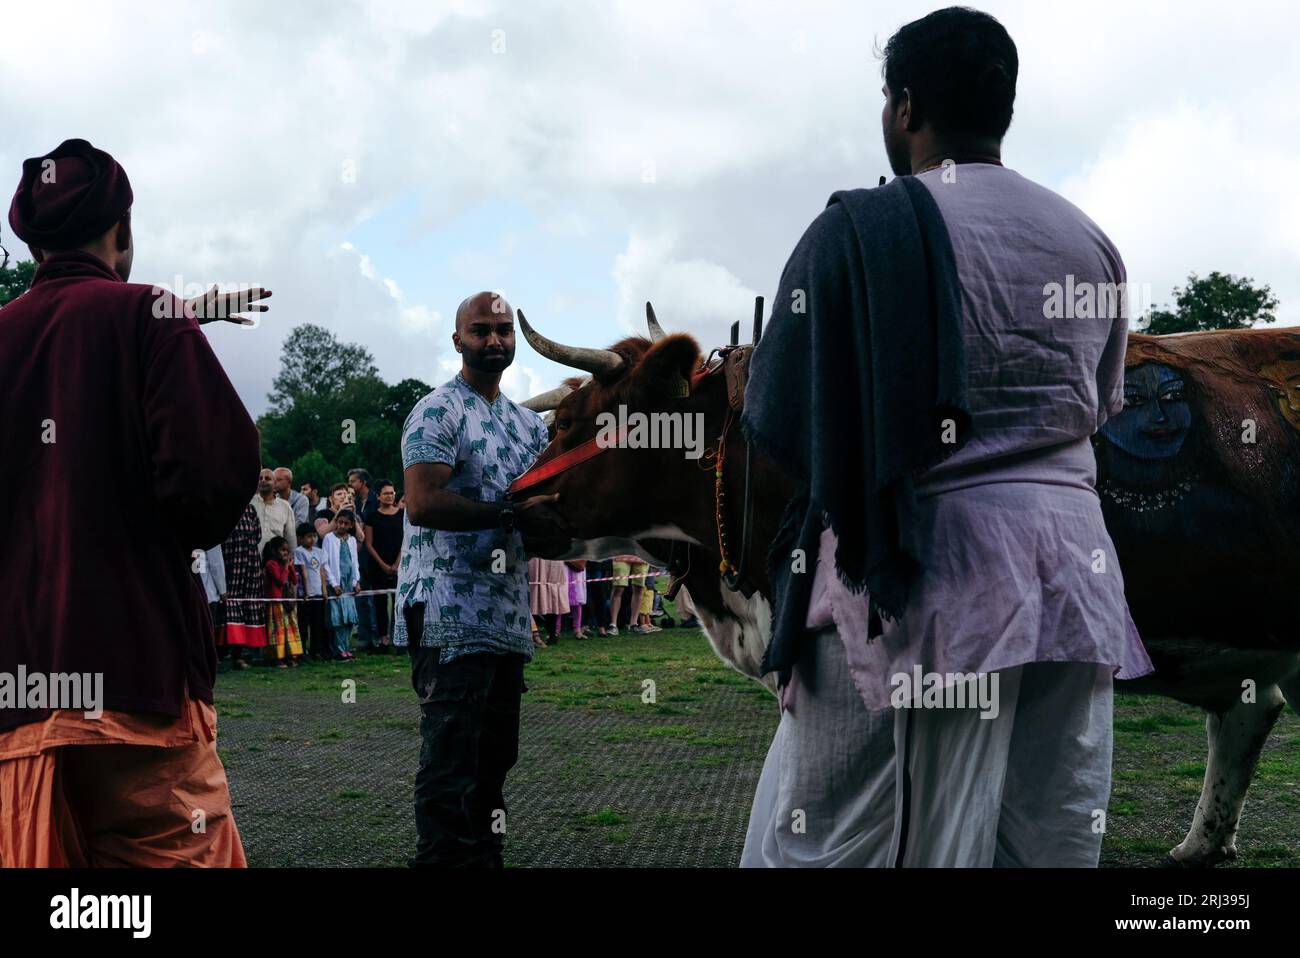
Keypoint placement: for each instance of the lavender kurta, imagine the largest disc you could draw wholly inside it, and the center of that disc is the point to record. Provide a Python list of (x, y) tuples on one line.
[(1018, 565)]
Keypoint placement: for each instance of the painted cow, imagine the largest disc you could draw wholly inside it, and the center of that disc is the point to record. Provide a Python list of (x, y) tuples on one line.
[(1199, 479)]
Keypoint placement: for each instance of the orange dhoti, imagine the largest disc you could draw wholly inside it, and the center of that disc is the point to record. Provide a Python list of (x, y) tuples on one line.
[(126, 789)]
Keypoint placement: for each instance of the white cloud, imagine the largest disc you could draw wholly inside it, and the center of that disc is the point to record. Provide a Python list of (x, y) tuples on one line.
[(1191, 191), (691, 295), (520, 382), (258, 139)]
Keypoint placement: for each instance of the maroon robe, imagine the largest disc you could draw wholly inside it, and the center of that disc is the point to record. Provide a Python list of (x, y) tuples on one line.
[(154, 456)]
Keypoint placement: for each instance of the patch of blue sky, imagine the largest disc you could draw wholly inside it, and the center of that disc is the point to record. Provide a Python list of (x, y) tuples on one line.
[(559, 269)]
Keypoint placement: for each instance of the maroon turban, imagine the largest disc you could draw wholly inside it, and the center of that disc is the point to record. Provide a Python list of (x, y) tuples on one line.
[(71, 201)]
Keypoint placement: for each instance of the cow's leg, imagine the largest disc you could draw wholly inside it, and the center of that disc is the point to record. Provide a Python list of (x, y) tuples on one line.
[(1236, 738), (1290, 687)]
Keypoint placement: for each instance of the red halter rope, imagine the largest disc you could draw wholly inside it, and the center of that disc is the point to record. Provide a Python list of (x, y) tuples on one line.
[(561, 463), (584, 451), (732, 575)]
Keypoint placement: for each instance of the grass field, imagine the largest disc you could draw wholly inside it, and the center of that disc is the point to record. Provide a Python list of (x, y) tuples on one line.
[(609, 777)]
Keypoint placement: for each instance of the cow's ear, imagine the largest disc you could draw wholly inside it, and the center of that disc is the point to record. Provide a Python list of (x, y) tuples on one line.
[(666, 370)]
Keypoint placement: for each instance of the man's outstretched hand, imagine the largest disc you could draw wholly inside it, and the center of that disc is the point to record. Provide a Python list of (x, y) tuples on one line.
[(214, 306)]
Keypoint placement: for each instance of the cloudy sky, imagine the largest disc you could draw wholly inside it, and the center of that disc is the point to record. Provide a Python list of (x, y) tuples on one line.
[(374, 162)]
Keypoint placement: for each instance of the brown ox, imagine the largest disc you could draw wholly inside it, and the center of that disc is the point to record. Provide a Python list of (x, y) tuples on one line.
[(1200, 484), (658, 498)]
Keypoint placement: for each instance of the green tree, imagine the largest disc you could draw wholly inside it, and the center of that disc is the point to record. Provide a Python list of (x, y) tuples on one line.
[(1217, 301), (312, 465), (401, 399), (332, 412), (16, 279), (315, 363)]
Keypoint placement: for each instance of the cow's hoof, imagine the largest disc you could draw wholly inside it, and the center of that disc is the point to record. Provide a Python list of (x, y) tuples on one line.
[(1201, 858)]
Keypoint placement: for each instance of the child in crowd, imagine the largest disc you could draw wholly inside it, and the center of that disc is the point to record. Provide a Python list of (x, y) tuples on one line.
[(283, 643), (576, 570), (645, 624), (343, 572), (310, 561), (622, 567), (548, 594)]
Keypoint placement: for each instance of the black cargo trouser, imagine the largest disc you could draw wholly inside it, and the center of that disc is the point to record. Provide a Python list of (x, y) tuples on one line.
[(313, 628), (383, 603), (469, 732)]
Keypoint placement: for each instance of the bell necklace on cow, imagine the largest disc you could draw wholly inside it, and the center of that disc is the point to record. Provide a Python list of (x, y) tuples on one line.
[(1137, 500)]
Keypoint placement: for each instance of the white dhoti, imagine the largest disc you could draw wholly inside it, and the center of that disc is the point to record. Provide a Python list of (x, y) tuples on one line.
[(845, 786), (685, 605)]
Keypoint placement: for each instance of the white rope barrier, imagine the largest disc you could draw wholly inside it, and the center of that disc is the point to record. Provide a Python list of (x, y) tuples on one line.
[(346, 595)]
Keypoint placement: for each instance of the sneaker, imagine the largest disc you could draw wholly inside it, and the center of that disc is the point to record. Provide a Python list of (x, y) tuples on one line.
[(613, 630), (638, 630)]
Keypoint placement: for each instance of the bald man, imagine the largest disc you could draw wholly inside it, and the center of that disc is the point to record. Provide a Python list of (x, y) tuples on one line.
[(274, 513), (106, 377), (462, 593), (297, 501)]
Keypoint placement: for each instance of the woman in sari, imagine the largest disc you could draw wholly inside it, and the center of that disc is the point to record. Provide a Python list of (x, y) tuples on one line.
[(244, 625)]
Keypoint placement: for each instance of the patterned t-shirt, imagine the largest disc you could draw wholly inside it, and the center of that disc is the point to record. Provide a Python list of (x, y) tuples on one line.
[(474, 585)]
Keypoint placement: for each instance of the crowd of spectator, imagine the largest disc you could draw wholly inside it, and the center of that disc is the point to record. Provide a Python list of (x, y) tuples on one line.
[(310, 576), (590, 594), (304, 575)]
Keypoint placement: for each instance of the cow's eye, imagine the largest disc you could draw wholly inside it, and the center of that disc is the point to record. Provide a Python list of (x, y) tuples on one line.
[(1131, 400), (563, 424), (1172, 395)]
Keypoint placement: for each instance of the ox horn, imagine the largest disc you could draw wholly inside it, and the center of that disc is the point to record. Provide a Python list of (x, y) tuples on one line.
[(598, 362), (656, 331), (551, 399)]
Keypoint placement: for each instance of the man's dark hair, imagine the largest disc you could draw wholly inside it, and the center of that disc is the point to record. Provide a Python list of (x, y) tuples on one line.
[(315, 486), (960, 67), (383, 484), (365, 476)]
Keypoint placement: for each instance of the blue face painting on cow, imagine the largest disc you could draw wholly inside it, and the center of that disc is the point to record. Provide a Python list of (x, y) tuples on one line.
[(1156, 416)]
